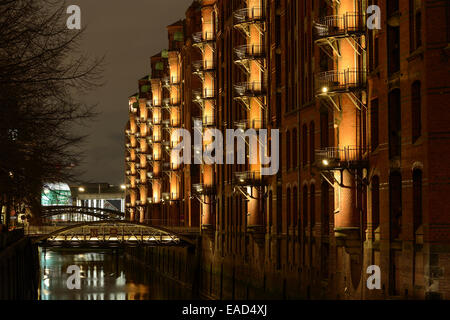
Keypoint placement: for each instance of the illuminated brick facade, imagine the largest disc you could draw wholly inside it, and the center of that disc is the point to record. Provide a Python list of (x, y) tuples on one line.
[(363, 123)]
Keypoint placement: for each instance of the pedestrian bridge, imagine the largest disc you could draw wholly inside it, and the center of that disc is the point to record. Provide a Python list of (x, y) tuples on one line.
[(105, 234), (64, 214)]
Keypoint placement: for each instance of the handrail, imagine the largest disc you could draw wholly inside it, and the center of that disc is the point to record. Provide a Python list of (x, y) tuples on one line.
[(334, 25), (246, 15), (334, 80)]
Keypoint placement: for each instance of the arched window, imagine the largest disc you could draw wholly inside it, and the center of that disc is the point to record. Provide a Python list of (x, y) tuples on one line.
[(374, 134), (288, 150), (270, 208), (416, 111), (417, 198), (305, 144), (305, 206), (312, 206), (294, 148), (418, 28), (295, 206), (324, 129), (312, 145), (395, 124), (325, 208), (279, 208), (375, 203), (395, 204), (288, 209)]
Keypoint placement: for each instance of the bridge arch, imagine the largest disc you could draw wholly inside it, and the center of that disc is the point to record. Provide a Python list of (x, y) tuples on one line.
[(71, 211), (114, 231)]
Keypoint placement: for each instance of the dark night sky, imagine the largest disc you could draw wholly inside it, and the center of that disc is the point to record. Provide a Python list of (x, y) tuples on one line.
[(128, 33)]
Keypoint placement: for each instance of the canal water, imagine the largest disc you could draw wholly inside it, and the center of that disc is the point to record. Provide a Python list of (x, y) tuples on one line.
[(105, 275)]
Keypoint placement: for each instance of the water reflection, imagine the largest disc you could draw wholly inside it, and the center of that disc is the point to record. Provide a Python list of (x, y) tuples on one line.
[(105, 275)]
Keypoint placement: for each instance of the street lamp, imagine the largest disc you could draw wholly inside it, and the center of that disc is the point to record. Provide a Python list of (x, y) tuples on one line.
[(81, 189)]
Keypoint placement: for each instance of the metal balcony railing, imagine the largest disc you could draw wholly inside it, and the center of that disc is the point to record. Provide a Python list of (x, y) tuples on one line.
[(209, 121), (253, 51), (173, 196), (203, 65), (250, 124), (203, 189), (153, 176), (175, 80), (208, 93), (156, 121), (249, 178), (250, 89), (174, 102), (249, 15), (340, 25), (175, 123), (336, 157), (340, 81), (203, 36)]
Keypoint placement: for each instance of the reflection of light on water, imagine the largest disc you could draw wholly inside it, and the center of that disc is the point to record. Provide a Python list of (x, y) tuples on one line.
[(105, 276), (121, 281)]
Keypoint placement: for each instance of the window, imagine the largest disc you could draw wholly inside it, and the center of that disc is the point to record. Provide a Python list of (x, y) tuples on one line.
[(374, 124), (312, 206), (418, 29), (395, 204), (416, 111), (294, 148), (295, 206), (415, 25), (375, 203), (305, 144), (448, 21), (279, 207), (417, 198), (288, 150), (393, 37), (325, 209), (312, 153), (305, 206), (324, 129), (392, 7), (395, 124), (270, 208), (376, 52), (288, 209)]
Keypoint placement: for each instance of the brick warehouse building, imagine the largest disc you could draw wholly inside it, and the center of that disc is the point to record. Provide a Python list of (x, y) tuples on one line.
[(363, 123)]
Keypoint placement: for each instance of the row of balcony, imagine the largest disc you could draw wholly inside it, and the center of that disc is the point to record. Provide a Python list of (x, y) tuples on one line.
[(200, 66), (171, 102), (171, 123), (168, 81), (342, 157), (249, 52), (339, 26), (206, 121), (249, 16), (203, 37)]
